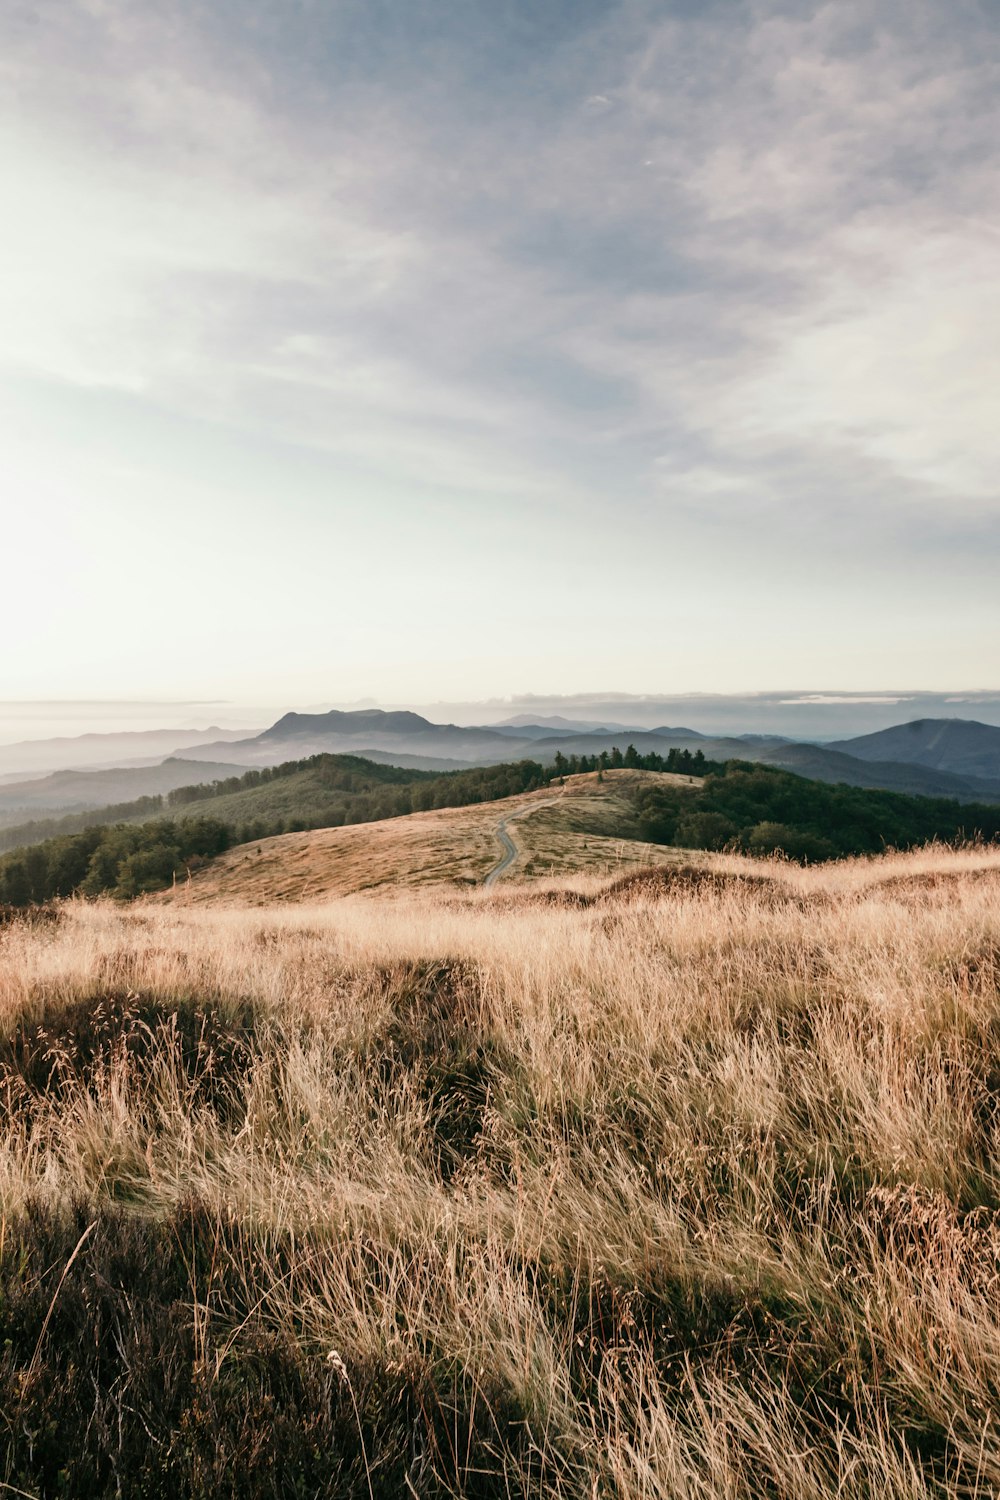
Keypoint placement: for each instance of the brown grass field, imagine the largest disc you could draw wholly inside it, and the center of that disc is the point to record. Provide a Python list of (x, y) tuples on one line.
[(558, 830), (602, 1184)]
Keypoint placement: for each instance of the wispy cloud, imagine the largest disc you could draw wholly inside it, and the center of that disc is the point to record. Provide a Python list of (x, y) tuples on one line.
[(705, 265)]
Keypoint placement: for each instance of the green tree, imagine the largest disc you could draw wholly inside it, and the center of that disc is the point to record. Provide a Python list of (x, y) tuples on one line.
[(704, 830), (147, 870)]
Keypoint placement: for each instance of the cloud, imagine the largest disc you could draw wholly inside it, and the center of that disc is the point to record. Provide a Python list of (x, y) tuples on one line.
[(808, 264), (716, 276)]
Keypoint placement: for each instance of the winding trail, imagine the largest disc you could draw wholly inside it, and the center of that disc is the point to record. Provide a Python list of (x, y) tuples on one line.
[(507, 844), (507, 858)]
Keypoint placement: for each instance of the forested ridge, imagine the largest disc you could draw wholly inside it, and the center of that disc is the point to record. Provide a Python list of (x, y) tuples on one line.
[(324, 790), (125, 859), (128, 858), (321, 791)]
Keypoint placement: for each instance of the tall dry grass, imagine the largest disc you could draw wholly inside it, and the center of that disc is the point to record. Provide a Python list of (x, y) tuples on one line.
[(688, 1189)]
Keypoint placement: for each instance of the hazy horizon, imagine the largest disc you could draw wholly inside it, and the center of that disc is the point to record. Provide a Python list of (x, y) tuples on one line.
[(420, 352), (817, 714)]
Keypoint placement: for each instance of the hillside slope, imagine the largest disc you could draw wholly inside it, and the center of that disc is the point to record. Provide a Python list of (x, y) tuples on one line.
[(822, 763), (409, 739), (28, 759), (584, 825), (71, 791), (964, 747), (296, 736)]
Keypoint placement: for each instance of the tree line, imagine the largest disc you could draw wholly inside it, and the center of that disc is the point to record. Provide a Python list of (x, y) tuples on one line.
[(678, 762), (124, 860), (37, 829)]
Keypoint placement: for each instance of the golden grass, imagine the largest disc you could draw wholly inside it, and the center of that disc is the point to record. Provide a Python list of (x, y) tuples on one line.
[(558, 830), (702, 1180)]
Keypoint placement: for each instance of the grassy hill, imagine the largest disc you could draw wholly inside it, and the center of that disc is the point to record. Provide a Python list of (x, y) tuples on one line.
[(674, 1186), (620, 820), (822, 763), (324, 790), (580, 826)]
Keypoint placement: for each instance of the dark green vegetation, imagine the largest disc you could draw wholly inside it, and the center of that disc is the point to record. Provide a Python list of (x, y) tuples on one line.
[(36, 830), (678, 762), (759, 810), (124, 860)]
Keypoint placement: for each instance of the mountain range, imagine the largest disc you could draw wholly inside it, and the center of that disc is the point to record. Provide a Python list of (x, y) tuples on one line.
[(928, 757), (131, 747), (962, 746)]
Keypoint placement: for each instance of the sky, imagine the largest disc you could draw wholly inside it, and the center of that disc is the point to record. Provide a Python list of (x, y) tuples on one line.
[(417, 351)]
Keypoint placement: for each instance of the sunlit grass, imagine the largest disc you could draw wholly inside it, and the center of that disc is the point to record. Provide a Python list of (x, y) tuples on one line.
[(688, 1188)]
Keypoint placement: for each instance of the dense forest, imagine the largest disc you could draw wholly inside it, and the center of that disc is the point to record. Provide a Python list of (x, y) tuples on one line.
[(761, 810), (36, 830), (125, 859), (738, 805)]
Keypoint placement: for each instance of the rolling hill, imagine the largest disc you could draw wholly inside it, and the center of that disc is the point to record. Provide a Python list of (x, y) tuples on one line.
[(295, 736), (72, 791), (28, 759), (582, 825), (952, 758), (822, 763), (361, 731), (280, 792), (595, 817)]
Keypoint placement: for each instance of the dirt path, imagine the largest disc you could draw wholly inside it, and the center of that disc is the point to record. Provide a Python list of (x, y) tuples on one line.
[(507, 844)]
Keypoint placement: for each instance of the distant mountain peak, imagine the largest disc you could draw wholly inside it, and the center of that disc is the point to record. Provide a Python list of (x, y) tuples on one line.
[(346, 721), (964, 747)]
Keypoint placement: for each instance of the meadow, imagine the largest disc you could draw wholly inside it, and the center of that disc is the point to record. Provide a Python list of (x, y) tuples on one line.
[(676, 1183)]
